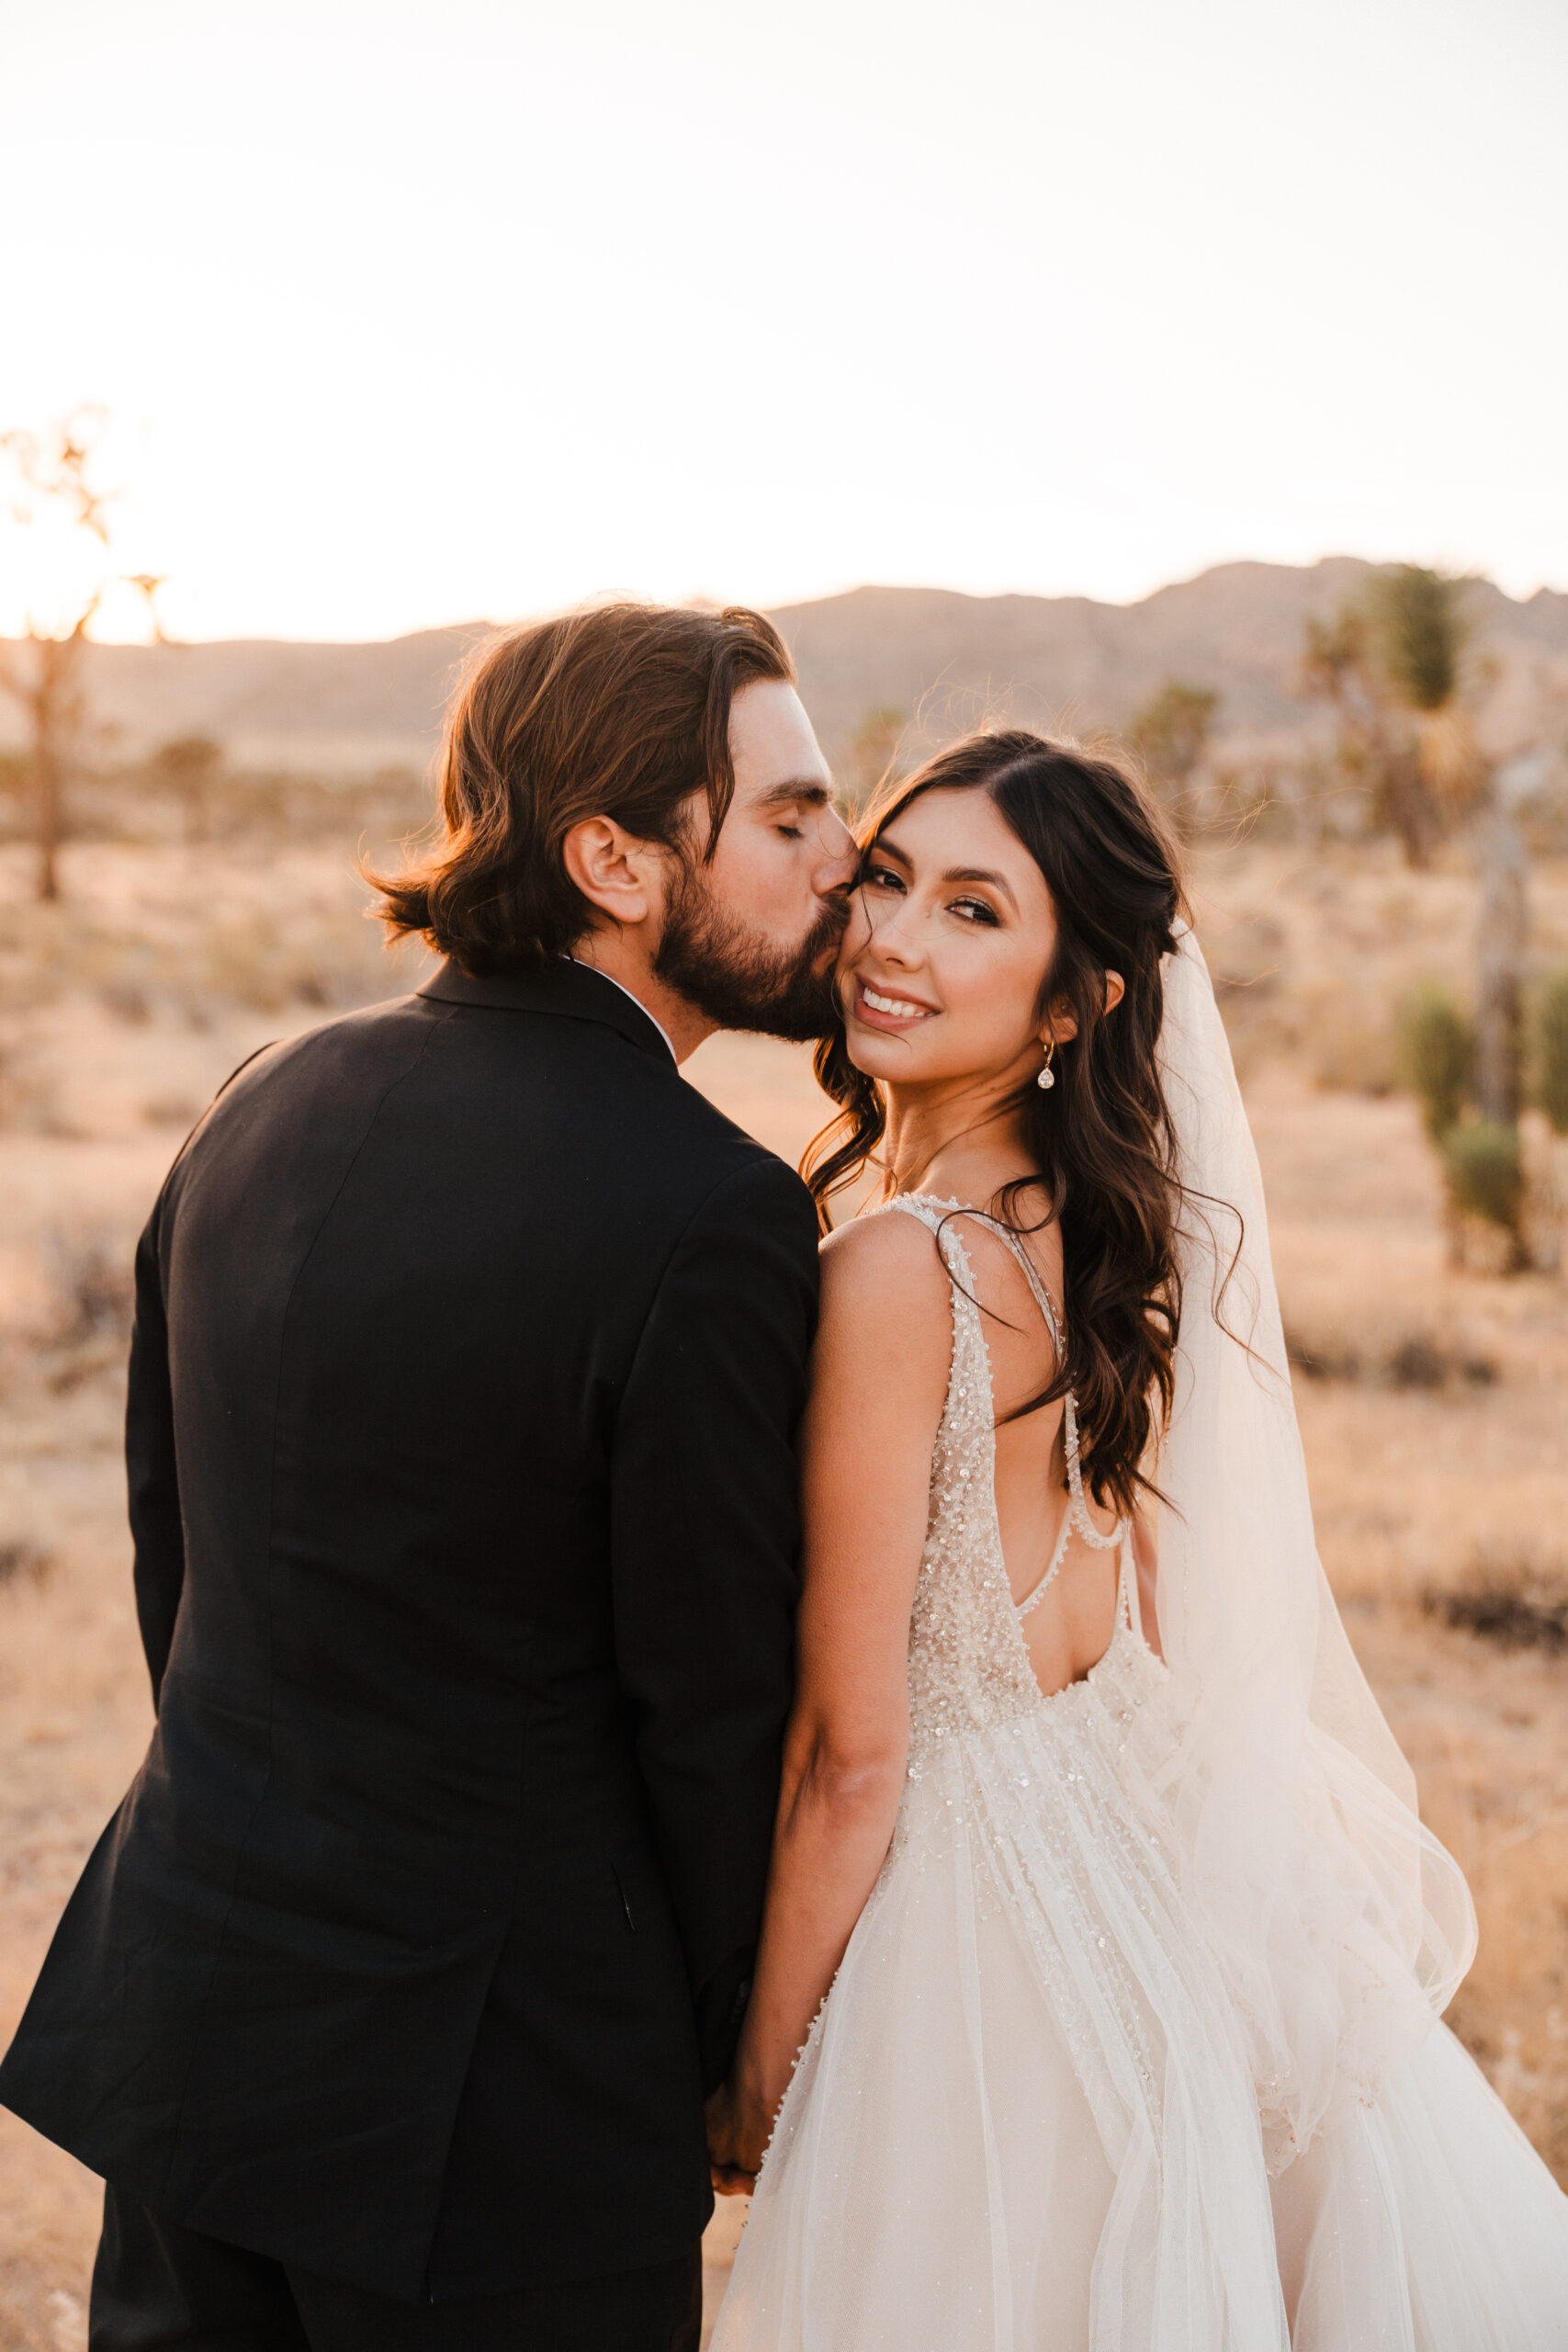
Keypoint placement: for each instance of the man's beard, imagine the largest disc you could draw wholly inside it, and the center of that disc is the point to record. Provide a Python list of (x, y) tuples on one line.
[(742, 981)]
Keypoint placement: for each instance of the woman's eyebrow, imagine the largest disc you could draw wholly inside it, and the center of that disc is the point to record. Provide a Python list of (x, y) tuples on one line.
[(981, 873), (954, 873)]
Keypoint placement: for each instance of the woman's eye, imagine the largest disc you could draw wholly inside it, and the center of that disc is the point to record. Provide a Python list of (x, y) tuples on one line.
[(975, 910), (880, 878)]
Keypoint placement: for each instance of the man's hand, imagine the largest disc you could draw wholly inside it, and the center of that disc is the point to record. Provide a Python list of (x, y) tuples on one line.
[(735, 2141)]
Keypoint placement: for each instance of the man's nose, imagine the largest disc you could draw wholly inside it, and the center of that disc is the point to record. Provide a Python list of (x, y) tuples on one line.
[(839, 858)]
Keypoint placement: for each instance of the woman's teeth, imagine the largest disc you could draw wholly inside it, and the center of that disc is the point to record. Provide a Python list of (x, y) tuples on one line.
[(891, 1004)]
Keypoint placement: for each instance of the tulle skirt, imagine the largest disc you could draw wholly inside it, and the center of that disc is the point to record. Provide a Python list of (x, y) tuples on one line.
[(1025, 2120)]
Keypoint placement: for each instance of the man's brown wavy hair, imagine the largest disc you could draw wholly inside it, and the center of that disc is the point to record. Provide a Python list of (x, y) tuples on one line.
[(618, 710), (1100, 1138)]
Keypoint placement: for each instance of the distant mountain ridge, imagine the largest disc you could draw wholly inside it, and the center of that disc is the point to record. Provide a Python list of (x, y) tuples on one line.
[(1071, 666), (944, 660)]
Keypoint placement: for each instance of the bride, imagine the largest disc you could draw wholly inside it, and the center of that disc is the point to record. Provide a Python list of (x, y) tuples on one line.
[(1135, 1942)]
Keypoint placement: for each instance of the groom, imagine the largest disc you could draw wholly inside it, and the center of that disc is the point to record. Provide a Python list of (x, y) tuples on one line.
[(469, 1346)]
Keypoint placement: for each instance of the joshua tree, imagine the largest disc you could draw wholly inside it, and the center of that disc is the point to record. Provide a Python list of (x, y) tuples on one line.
[(1501, 934), (147, 584), (188, 767), (1170, 734), (43, 672), (1421, 629), (1481, 1161), (1421, 633), (1391, 665), (1437, 1057), (1553, 1044), (1483, 1169)]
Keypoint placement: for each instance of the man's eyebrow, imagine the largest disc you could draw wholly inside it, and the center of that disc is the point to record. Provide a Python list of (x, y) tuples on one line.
[(810, 792)]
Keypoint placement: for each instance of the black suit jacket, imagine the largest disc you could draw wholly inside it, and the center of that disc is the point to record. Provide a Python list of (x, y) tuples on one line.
[(470, 1350)]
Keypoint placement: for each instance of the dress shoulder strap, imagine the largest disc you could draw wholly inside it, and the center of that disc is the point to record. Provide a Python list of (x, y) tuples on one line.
[(939, 1215), (938, 1218), (1031, 1275), (915, 1205), (969, 1391), (1128, 1604)]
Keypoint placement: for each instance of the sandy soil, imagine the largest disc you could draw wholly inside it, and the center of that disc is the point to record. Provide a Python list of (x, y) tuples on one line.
[(121, 1012)]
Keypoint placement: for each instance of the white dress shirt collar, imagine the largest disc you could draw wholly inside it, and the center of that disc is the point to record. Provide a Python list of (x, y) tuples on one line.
[(635, 1000)]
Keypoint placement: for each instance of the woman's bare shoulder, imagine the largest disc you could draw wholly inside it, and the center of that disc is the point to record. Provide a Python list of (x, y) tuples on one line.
[(883, 1250), (885, 1271), (885, 1340), (887, 1258)]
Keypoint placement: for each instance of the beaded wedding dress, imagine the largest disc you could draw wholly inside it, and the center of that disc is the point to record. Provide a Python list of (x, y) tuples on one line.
[(1133, 2047)]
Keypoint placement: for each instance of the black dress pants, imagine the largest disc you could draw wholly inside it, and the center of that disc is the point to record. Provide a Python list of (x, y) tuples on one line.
[(160, 2287)]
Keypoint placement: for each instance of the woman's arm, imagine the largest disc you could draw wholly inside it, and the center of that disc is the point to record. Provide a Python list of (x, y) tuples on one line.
[(879, 1374)]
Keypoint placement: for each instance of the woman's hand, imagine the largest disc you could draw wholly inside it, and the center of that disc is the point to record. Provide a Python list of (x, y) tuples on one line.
[(738, 2133)]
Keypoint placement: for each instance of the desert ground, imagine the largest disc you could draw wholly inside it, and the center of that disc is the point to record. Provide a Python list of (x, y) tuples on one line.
[(1434, 1403)]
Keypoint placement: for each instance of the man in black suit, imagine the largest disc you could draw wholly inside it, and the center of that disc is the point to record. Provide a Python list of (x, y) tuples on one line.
[(469, 1347)]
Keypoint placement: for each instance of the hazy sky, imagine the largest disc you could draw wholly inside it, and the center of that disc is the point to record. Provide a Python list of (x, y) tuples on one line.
[(410, 312)]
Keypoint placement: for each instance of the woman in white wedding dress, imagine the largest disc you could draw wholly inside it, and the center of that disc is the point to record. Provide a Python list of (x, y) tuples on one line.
[(1136, 1945)]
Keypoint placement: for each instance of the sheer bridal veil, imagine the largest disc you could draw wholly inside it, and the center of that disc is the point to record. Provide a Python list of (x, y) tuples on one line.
[(1341, 1925)]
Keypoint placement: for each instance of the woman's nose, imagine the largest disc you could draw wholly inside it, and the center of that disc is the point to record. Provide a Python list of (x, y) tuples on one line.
[(890, 929)]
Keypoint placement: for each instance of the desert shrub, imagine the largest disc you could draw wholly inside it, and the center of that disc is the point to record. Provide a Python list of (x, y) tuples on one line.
[(1518, 1616), (1484, 1171), (1436, 1050), (1415, 1360), (93, 1287), (1418, 1363), (21, 1561), (1551, 1039)]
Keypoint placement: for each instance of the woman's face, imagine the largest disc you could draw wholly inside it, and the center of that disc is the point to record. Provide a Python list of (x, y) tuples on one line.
[(950, 938)]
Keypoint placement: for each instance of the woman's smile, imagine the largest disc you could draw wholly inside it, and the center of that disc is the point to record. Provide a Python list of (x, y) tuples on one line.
[(882, 1009)]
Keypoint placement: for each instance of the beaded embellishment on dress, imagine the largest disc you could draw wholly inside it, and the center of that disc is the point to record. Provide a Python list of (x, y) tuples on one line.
[(968, 1665), (968, 1668)]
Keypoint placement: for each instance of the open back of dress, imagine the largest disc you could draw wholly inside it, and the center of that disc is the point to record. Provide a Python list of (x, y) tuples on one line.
[(1025, 2119)]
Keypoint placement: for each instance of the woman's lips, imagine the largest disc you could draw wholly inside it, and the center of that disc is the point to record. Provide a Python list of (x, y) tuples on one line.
[(889, 1010)]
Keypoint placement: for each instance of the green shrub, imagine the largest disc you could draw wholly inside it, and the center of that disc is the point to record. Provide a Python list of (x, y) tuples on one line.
[(1552, 1038), (1435, 1049), (1485, 1175)]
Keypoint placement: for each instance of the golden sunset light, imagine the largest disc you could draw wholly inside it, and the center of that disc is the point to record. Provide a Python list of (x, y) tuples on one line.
[(406, 315), (783, 1176)]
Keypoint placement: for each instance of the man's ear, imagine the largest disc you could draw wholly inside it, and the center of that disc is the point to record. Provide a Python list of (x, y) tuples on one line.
[(619, 875)]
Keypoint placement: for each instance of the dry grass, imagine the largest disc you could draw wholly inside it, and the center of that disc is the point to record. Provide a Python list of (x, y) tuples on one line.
[(1312, 949), (1433, 1406)]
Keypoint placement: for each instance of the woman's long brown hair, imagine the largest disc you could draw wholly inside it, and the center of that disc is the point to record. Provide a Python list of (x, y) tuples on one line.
[(1101, 1137)]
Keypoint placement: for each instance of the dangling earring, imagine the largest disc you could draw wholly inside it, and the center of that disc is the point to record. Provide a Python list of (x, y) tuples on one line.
[(1047, 1077)]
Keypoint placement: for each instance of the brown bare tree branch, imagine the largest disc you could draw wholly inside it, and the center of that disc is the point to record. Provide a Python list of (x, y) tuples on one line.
[(54, 471)]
